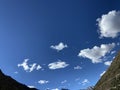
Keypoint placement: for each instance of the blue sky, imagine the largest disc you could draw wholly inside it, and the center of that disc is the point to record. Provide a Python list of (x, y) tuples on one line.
[(58, 43)]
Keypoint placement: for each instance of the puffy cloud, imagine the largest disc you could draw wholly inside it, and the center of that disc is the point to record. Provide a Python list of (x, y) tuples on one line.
[(108, 63), (85, 81), (102, 73), (24, 65), (77, 67), (96, 53), (38, 67), (29, 67), (57, 65), (109, 24), (59, 47), (43, 81), (63, 81)]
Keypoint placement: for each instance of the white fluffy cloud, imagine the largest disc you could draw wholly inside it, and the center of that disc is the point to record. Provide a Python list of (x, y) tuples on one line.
[(24, 65), (96, 53), (57, 65), (109, 24), (108, 63), (77, 67), (29, 67), (102, 73), (59, 47), (38, 67), (85, 81), (43, 81)]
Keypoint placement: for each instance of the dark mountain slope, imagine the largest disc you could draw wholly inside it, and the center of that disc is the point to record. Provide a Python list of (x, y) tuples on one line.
[(7, 83), (111, 79)]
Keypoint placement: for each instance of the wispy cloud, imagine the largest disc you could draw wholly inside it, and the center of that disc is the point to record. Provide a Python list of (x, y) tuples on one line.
[(96, 53), (57, 65), (65, 81), (31, 86), (43, 82), (55, 89), (77, 67), (16, 72), (112, 52), (102, 73), (29, 67), (118, 43), (109, 24), (77, 79), (85, 81), (32, 67), (108, 63), (59, 47)]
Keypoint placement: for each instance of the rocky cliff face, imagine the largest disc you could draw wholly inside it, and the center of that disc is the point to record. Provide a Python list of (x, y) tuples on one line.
[(7, 83), (111, 79)]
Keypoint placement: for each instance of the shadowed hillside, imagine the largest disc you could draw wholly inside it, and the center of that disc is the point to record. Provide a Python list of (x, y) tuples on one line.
[(7, 83), (111, 79)]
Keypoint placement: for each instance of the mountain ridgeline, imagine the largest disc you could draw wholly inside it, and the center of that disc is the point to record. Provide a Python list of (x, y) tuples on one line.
[(111, 79), (7, 83)]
